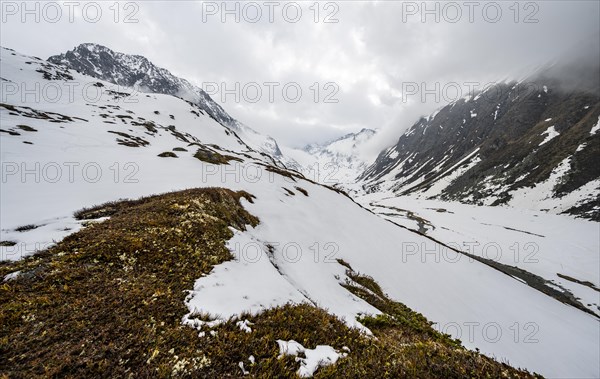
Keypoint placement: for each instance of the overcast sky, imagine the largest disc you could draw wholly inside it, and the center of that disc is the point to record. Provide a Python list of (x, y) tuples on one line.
[(371, 54)]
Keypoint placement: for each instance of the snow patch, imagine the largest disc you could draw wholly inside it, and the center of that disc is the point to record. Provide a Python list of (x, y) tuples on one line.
[(595, 128), (320, 356), (550, 133), (244, 326), (12, 276)]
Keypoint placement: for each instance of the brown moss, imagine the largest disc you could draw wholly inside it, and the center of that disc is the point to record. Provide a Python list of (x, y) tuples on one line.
[(210, 156)]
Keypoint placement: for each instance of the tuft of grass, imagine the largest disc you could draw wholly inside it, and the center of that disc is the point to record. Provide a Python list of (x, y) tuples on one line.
[(210, 156), (302, 190), (10, 132), (26, 228), (148, 125), (286, 173), (344, 263), (179, 149), (366, 282), (7, 243), (396, 314), (129, 140), (26, 128), (168, 154)]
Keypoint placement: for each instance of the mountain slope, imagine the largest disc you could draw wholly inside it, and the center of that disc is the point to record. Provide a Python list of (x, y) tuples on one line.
[(118, 263), (531, 144), (138, 72), (335, 162), (311, 248)]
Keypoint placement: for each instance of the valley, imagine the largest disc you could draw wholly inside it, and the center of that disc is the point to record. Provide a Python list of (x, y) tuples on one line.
[(225, 258)]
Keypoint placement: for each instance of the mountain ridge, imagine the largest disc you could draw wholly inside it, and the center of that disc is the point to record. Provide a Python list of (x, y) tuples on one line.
[(510, 145), (335, 162), (139, 72)]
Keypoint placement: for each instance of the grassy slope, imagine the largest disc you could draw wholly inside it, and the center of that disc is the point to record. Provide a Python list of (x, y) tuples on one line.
[(107, 301)]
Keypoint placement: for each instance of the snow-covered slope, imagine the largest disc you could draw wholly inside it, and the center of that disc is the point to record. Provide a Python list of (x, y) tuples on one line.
[(559, 249), (291, 256), (520, 144), (137, 71), (93, 144), (336, 162)]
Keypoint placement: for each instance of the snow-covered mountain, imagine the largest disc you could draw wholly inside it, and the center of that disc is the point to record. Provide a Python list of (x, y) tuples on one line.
[(339, 161), (308, 244), (533, 144), (138, 72)]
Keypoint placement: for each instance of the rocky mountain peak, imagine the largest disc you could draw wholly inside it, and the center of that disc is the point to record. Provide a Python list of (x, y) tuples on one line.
[(137, 71)]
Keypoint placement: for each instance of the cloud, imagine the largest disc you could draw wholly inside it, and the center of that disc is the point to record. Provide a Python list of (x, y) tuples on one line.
[(369, 55)]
